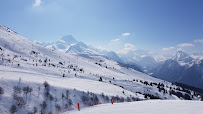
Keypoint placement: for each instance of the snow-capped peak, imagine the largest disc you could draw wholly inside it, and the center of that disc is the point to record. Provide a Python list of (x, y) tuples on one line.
[(81, 44), (183, 57), (63, 44), (69, 39), (79, 47)]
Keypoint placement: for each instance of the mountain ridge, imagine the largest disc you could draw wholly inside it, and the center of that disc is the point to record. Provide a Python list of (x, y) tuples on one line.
[(180, 68)]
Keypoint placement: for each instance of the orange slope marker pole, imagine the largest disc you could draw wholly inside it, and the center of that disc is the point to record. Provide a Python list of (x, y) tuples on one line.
[(78, 106)]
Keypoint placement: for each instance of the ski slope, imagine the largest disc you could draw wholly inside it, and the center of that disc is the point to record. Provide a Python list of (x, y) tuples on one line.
[(145, 107)]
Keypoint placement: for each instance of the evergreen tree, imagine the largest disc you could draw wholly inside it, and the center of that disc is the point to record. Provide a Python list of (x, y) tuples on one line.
[(1, 91), (100, 79), (13, 109)]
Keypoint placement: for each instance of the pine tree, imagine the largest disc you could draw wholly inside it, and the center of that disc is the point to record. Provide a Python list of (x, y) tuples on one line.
[(1, 91), (46, 86), (35, 110), (13, 109), (100, 79)]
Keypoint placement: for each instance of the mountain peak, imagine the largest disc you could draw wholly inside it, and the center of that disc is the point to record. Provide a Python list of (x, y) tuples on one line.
[(64, 43), (69, 39), (179, 55), (81, 44), (181, 52), (182, 56), (78, 47)]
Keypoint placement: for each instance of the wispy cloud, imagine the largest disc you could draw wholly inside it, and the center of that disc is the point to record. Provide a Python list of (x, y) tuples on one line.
[(143, 56), (160, 58), (150, 52), (179, 49), (115, 40), (37, 3), (127, 48), (185, 45), (167, 49), (126, 34), (199, 41)]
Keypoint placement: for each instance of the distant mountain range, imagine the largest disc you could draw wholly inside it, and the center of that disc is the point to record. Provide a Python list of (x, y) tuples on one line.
[(181, 68), (69, 44), (140, 57)]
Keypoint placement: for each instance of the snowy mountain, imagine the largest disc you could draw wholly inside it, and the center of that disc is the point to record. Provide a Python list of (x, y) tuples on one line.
[(170, 70), (181, 68), (183, 59), (66, 44), (69, 40), (79, 48), (35, 79), (140, 57), (70, 45), (147, 62), (193, 76), (63, 44), (112, 55)]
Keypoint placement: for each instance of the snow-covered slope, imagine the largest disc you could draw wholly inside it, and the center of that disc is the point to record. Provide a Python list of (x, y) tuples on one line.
[(88, 79), (145, 107)]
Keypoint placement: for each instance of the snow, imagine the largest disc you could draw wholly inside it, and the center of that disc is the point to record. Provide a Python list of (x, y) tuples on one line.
[(117, 80), (69, 83), (183, 59), (145, 107)]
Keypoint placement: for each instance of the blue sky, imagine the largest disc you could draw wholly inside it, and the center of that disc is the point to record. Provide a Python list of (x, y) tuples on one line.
[(162, 26)]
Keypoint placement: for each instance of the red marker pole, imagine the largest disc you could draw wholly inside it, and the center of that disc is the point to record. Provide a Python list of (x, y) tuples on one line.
[(78, 106), (112, 101)]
